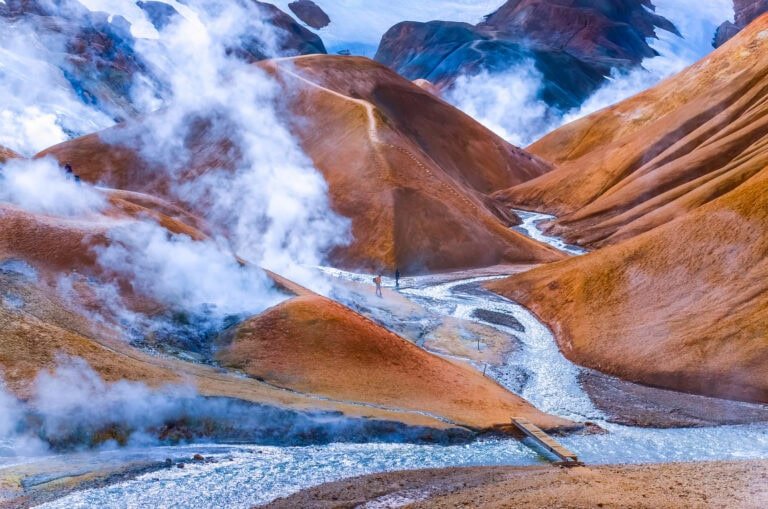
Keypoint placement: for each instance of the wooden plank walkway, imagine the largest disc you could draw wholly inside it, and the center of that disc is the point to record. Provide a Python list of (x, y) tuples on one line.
[(543, 440)]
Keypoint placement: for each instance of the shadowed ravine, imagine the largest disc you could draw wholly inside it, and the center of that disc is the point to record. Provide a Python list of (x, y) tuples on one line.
[(243, 476)]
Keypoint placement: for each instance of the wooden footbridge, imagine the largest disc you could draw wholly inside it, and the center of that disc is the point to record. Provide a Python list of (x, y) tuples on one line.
[(530, 430)]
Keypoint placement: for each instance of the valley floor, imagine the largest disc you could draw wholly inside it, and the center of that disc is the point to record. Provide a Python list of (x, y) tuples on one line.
[(712, 484)]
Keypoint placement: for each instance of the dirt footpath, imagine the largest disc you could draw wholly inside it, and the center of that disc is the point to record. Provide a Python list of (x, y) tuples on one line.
[(689, 485)]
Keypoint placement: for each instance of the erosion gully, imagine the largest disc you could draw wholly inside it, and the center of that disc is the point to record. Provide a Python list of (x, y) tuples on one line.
[(247, 475)]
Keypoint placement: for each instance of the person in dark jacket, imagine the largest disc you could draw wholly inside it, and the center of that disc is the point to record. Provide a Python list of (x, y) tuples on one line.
[(397, 278), (70, 173)]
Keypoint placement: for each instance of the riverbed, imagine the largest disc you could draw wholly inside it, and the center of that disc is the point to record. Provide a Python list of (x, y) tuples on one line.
[(245, 475)]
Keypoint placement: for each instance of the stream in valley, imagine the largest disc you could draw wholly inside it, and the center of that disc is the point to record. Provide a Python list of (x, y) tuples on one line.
[(245, 475)]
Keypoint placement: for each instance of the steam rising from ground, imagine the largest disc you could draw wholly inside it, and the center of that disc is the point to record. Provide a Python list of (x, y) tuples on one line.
[(41, 186), (185, 274), (38, 107), (272, 204), (508, 102), (259, 191), (72, 407)]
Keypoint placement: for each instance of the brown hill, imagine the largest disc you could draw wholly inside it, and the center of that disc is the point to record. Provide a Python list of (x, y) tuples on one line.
[(38, 325), (411, 171), (675, 180), (652, 158), (314, 345), (684, 306), (54, 244), (6, 154)]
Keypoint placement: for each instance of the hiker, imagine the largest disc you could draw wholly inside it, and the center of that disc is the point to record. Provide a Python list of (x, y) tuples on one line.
[(70, 173), (397, 278), (377, 281)]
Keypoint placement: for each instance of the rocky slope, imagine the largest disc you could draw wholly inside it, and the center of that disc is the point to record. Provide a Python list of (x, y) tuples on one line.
[(310, 13), (97, 53), (426, 167), (735, 484), (43, 322), (314, 345), (6, 154), (573, 44), (652, 158), (745, 11), (678, 299)]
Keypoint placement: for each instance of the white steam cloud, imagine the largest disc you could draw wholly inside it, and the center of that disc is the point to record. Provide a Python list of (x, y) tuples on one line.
[(41, 186), (73, 399), (185, 274), (266, 201), (72, 407), (38, 107), (508, 104), (273, 204)]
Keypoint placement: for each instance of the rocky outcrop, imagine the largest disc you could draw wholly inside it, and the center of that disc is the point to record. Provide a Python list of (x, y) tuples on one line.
[(745, 12), (573, 44), (652, 158), (160, 14), (409, 170), (314, 345), (293, 39), (96, 52), (310, 13), (674, 183)]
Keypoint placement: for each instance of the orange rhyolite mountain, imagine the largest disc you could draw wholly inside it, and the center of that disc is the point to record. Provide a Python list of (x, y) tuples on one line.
[(6, 154), (411, 171), (411, 381), (647, 160), (314, 345), (675, 181)]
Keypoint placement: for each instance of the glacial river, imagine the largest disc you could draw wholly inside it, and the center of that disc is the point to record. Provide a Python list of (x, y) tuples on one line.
[(243, 476)]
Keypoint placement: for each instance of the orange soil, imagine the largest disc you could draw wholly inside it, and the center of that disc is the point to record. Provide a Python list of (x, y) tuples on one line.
[(6, 154), (60, 243), (684, 306), (411, 171), (312, 344), (45, 327), (654, 157), (692, 485)]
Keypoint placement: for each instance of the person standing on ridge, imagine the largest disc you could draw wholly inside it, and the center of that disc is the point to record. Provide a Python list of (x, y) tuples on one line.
[(397, 278), (377, 281)]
